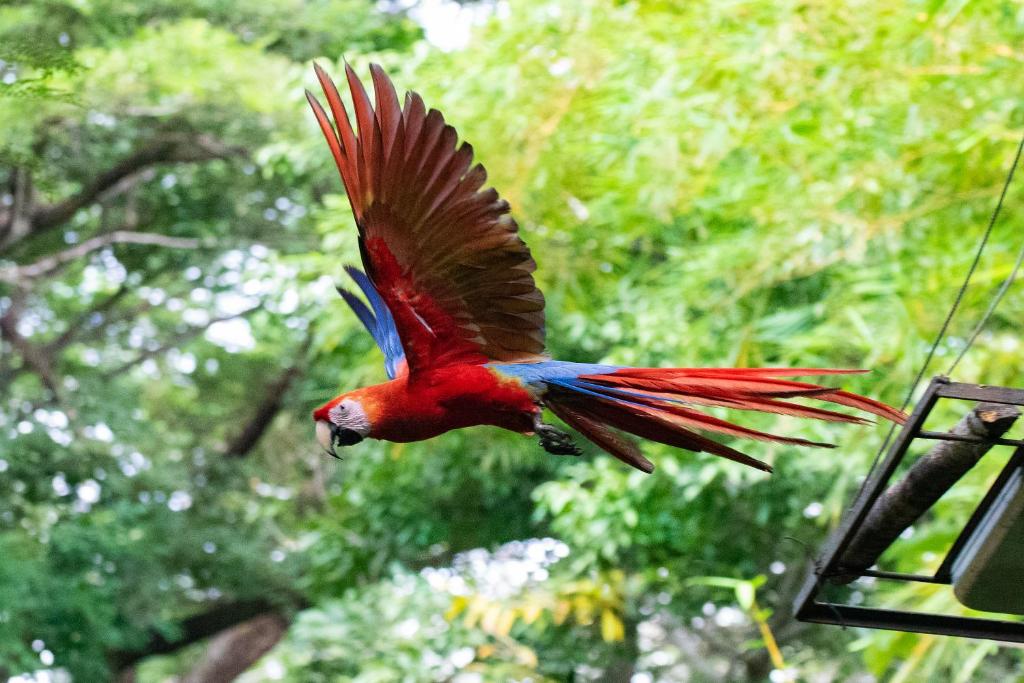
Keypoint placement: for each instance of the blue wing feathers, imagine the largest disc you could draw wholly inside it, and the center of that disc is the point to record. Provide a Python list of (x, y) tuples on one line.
[(580, 387), (550, 370), (363, 313), (379, 322), (565, 374), (624, 392)]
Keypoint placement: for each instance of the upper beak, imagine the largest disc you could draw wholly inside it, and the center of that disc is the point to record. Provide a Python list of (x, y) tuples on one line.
[(330, 435), (325, 435)]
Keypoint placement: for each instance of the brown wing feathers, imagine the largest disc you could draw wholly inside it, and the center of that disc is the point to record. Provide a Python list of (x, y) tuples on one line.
[(431, 236)]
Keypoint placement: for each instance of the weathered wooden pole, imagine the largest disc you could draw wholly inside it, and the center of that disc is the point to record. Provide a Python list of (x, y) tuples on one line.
[(928, 479)]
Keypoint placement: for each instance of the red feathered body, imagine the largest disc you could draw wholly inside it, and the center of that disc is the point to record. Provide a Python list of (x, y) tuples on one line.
[(440, 400), (659, 404)]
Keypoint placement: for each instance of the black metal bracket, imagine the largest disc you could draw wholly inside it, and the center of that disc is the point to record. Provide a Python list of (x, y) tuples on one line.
[(811, 607)]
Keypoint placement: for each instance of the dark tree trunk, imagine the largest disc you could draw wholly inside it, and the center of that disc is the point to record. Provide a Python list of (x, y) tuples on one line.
[(194, 629), (235, 650)]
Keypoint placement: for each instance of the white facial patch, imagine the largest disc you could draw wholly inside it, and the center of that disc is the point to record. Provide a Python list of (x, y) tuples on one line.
[(350, 415)]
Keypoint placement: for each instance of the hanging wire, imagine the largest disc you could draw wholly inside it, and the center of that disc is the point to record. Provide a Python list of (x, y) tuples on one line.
[(995, 300), (953, 309)]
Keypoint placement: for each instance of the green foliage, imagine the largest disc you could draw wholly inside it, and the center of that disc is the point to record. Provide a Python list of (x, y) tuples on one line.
[(738, 183), (398, 628)]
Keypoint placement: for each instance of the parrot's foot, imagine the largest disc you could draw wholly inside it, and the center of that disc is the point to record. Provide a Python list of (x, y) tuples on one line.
[(554, 440)]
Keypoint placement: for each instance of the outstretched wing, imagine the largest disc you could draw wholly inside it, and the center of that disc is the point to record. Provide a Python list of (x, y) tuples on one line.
[(378, 322), (444, 253)]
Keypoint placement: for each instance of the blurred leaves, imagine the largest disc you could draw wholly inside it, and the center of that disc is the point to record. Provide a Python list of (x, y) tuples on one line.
[(754, 183), (586, 602)]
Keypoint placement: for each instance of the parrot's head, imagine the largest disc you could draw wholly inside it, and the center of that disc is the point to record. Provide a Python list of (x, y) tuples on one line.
[(342, 421)]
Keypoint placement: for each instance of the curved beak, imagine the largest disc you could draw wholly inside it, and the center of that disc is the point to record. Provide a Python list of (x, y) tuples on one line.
[(325, 437), (330, 435)]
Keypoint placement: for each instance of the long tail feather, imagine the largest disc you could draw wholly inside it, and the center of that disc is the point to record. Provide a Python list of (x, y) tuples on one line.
[(662, 405), (745, 383), (622, 448)]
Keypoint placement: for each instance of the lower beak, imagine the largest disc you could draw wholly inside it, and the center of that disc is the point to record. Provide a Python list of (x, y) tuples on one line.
[(346, 437), (330, 435)]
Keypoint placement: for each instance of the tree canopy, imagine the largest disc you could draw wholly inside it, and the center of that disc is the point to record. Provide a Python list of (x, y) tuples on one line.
[(709, 183)]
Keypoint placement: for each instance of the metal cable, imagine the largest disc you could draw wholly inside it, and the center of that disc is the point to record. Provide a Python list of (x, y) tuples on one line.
[(1006, 283), (956, 305)]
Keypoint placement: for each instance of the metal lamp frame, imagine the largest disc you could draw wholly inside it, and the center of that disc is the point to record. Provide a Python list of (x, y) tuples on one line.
[(809, 605)]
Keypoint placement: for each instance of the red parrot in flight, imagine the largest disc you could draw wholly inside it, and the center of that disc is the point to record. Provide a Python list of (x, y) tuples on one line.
[(454, 308)]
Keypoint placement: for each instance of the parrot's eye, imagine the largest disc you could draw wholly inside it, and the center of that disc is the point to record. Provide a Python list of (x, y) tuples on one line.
[(348, 423)]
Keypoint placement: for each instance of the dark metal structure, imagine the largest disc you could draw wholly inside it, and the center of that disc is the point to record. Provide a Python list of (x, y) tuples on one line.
[(810, 604)]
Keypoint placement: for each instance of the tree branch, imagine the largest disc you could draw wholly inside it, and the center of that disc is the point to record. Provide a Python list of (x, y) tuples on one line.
[(179, 338), (94, 319), (32, 355), (15, 222), (51, 264), (273, 400), (235, 650), (174, 147), (166, 148), (83, 320), (193, 629)]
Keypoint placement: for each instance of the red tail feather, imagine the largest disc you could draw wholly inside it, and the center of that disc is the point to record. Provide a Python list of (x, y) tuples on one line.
[(649, 424), (622, 448), (658, 404)]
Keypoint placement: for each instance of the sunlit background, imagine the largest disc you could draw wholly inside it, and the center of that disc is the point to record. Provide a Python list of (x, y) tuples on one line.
[(702, 183)]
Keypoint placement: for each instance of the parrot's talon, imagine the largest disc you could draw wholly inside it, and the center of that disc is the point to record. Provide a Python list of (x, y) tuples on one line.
[(554, 440)]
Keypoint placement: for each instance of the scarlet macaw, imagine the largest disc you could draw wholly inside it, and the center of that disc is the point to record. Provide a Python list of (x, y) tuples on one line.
[(454, 308)]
